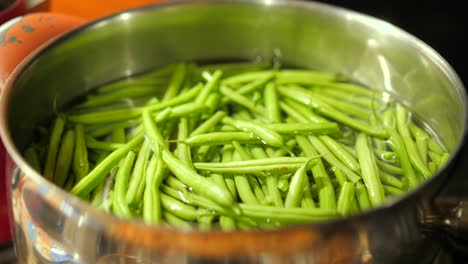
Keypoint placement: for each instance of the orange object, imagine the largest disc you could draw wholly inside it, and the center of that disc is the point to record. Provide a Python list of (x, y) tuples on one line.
[(92, 9), (19, 38)]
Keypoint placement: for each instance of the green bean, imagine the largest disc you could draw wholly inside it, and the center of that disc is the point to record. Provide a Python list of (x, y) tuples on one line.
[(330, 158), (137, 183), (209, 87), (118, 135), (212, 103), (384, 155), (32, 157), (434, 156), (205, 222), (152, 212), (304, 128), (119, 205), (369, 102), (343, 106), (97, 175), (256, 84), (69, 183), (209, 124), (178, 208), (288, 215), (362, 196), (229, 179), (173, 182), (376, 122), (292, 112), (369, 171), (102, 145), (340, 153), (287, 149), (296, 186), (397, 145), (432, 165), (176, 221), (415, 159), (345, 199), (242, 184), (418, 132), (54, 141), (305, 112), (177, 80), (327, 198), (265, 134), (227, 223), (390, 190), (243, 153), (127, 114), (340, 176), (246, 77), (65, 159), (443, 160), (272, 103), (241, 100), (221, 138), (331, 112), (390, 180), (270, 165), (307, 200), (80, 156), (421, 146), (184, 173), (103, 99), (183, 151), (389, 168)]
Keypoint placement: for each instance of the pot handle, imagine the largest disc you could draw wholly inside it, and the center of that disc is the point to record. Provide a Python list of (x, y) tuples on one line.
[(446, 218), (19, 38)]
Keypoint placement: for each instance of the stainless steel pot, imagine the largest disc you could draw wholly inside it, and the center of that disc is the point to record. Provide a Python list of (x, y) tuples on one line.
[(53, 225)]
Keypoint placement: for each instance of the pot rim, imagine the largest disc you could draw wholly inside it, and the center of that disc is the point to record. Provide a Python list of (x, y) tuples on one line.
[(102, 217)]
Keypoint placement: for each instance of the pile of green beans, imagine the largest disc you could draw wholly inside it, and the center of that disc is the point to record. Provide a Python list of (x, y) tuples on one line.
[(235, 146)]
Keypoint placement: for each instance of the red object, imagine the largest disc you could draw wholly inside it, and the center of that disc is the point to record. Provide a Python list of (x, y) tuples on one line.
[(19, 38), (17, 8)]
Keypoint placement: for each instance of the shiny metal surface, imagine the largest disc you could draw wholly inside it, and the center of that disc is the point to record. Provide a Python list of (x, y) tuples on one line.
[(54, 226)]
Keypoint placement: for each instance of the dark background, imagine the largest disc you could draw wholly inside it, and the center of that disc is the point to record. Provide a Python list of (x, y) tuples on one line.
[(441, 24)]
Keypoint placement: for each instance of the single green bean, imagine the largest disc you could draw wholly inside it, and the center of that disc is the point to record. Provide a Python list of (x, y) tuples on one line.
[(345, 199), (270, 95), (221, 138), (177, 81), (242, 184), (209, 124), (80, 158), (343, 106), (178, 208), (65, 158), (176, 222), (272, 165), (227, 223), (265, 134), (362, 196), (183, 150), (389, 168), (289, 215), (390, 190), (296, 186), (92, 143), (54, 143), (97, 175), (369, 170), (340, 176), (118, 135), (119, 205), (137, 183), (307, 200), (305, 112), (305, 128), (390, 180)]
